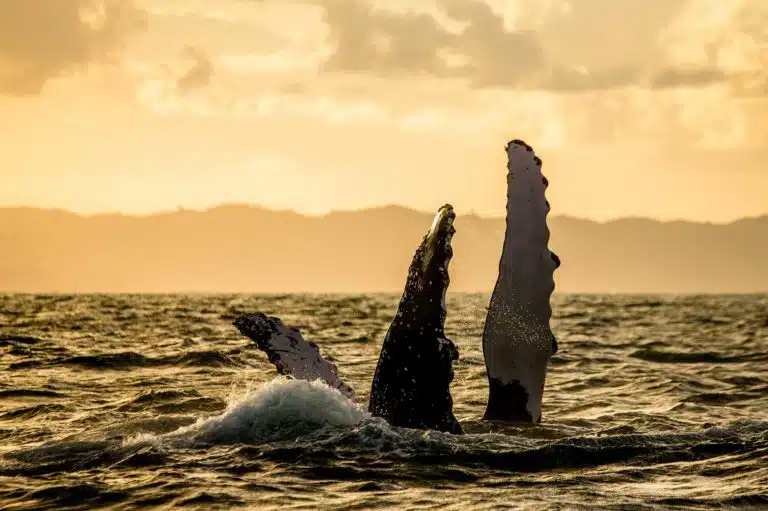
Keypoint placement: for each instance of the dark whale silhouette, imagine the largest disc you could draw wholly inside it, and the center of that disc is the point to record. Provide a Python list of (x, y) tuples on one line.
[(411, 385)]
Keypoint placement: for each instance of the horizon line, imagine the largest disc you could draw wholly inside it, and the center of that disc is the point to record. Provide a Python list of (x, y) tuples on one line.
[(244, 205), (371, 292)]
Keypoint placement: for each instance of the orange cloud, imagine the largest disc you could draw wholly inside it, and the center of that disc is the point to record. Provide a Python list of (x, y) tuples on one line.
[(42, 39), (199, 73)]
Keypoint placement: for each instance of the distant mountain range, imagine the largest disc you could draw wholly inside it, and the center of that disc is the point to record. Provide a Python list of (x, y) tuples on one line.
[(239, 248)]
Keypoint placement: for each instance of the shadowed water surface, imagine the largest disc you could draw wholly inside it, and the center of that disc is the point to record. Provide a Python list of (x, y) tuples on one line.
[(140, 401)]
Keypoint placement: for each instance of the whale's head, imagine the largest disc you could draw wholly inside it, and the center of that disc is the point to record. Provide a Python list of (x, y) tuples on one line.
[(428, 277), (420, 318), (437, 250)]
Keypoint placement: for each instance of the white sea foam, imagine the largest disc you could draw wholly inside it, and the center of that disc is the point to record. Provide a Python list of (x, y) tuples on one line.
[(280, 409)]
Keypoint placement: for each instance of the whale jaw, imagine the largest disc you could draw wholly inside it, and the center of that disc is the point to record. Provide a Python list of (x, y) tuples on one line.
[(411, 385)]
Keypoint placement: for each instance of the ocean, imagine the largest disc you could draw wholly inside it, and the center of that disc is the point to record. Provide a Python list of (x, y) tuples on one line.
[(156, 402)]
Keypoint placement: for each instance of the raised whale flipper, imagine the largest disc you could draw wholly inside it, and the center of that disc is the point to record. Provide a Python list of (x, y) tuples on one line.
[(517, 339), (289, 352), (411, 385)]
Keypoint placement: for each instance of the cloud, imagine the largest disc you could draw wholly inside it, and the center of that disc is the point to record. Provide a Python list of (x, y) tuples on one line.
[(368, 39), (553, 45), (43, 39), (727, 40), (663, 72), (161, 98), (284, 61), (486, 51), (385, 42), (592, 45), (682, 77), (199, 74)]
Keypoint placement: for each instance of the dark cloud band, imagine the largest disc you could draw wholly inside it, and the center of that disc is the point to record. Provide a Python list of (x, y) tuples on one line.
[(44, 39)]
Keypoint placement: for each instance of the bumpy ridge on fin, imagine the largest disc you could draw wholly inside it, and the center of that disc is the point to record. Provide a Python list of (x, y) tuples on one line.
[(517, 339), (289, 352)]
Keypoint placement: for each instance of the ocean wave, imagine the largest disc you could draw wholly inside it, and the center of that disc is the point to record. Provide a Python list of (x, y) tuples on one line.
[(695, 357), (28, 393), (29, 412), (298, 423), (128, 360), (656, 409), (280, 409), (171, 402), (9, 340)]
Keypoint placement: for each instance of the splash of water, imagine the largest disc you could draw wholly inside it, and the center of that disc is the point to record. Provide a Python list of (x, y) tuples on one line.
[(278, 410)]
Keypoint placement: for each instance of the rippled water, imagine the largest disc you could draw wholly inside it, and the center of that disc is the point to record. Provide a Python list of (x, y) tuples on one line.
[(156, 401)]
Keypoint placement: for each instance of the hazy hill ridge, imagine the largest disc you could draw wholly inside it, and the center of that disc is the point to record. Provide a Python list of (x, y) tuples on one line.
[(238, 248)]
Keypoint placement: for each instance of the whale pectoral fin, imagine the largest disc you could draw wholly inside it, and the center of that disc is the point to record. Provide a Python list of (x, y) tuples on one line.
[(517, 339), (287, 350)]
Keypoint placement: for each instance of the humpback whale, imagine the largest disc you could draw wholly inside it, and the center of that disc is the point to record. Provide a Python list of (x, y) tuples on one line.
[(411, 384), (410, 387)]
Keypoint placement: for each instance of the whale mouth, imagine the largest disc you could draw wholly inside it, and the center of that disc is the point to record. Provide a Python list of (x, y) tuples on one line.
[(422, 307), (436, 250)]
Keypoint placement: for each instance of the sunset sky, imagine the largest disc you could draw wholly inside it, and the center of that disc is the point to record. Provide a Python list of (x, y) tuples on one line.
[(638, 108)]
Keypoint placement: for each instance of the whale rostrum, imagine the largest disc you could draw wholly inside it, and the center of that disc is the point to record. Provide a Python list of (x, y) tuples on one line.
[(517, 338)]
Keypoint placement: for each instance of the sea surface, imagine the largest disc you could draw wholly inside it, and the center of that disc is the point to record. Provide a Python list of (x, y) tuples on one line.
[(156, 402)]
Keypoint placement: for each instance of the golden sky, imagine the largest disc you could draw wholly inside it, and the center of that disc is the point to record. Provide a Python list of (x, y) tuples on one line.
[(654, 108)]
